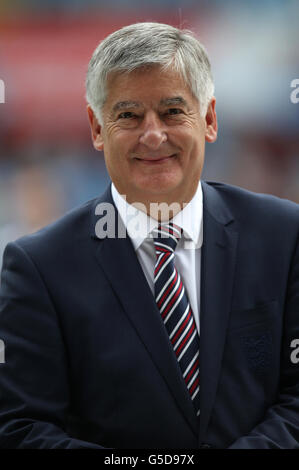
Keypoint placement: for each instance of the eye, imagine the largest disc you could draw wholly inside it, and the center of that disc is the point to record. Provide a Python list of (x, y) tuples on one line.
[(126, 115), (173, 111)]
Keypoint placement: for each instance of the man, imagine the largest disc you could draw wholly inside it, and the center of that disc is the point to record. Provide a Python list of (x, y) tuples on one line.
[(162, 314)]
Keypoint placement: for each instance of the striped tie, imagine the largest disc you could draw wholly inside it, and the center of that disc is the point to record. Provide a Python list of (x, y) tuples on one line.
[(175, 309)]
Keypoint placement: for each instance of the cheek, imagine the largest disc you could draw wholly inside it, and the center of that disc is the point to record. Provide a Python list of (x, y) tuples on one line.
[(197, 140), (119, 141), (191, 145), (116, 156)]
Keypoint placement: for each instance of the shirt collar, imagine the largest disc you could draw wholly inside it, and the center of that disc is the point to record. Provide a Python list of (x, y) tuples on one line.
[(139, 224)]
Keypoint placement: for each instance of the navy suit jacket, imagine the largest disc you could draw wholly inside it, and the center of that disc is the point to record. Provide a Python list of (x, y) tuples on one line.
[(88, 363)]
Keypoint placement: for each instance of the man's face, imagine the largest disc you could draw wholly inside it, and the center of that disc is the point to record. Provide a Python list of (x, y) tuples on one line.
[(153, 136)]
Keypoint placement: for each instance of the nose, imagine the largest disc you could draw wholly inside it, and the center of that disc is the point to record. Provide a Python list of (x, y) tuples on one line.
[(153, 131)]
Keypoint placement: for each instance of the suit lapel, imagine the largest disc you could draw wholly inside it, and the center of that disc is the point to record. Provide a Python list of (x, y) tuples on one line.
[(217, 275), (118, 260)]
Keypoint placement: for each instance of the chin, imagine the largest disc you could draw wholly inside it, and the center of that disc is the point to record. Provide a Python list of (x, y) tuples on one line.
[(162, 189), (162, 183)]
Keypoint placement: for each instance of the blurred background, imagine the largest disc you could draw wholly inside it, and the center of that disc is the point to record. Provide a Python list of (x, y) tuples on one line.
[(47, 162)]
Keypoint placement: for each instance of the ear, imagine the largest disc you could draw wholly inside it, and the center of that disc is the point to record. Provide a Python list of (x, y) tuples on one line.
[(96, 129), (211, 122)]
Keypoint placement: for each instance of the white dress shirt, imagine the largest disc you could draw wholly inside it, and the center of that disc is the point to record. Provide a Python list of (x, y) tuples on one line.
[(188, 251)]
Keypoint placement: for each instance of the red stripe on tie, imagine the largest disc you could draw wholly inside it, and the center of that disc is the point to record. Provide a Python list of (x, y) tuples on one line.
[(190, 373), (194, 385), (172, 300), (161, 249), (185, 339), (164, 257), (167, 230), (168, 290), (177, 227), (182, 327)]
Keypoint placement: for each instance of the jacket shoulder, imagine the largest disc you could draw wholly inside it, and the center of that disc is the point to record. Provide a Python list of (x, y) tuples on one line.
[(245, 203), (70, 228)]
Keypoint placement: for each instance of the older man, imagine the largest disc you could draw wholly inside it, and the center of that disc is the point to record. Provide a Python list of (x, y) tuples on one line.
[(164, 313)]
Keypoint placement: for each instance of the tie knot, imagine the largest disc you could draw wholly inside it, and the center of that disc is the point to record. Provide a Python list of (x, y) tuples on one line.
[(166, 237)]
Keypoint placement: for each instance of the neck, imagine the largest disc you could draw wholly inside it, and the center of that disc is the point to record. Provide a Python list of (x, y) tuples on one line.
[(161, 207)]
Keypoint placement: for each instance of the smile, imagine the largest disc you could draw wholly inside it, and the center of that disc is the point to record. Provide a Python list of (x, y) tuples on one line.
[(155, 160)]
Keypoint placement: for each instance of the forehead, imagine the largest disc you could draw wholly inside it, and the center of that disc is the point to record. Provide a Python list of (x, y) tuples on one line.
[(148, 85)]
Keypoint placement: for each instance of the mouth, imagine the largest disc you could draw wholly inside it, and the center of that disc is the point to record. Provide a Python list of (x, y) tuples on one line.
[(156, 160)]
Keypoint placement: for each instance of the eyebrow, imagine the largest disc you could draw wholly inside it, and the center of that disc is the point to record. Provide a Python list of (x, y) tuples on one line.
[(177, 100), (173, 101), (124, 105)]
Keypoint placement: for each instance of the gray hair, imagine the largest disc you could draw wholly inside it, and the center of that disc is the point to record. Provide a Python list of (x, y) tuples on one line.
[(148, 44)]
